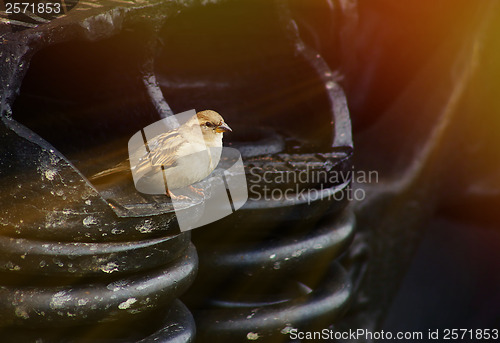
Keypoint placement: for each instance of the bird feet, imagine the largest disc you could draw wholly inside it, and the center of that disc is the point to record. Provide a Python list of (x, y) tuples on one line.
[(198, 191), (178, 197)]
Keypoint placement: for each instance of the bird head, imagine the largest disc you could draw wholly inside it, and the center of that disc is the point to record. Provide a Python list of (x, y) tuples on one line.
[(212, 124)]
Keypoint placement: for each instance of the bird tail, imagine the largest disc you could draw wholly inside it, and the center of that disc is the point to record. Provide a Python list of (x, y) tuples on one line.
[(119, 168)]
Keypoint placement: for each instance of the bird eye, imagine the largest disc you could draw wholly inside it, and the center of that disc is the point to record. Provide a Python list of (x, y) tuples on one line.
[(209, 124)]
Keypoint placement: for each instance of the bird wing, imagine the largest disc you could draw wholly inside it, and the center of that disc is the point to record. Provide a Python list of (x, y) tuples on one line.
[(163, 151)]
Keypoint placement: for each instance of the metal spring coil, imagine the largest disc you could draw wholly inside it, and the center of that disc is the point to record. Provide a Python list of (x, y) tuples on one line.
[(272, 267), (96, 292)]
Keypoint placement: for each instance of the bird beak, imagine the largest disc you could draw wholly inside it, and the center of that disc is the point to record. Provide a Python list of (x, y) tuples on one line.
[(223, 128)]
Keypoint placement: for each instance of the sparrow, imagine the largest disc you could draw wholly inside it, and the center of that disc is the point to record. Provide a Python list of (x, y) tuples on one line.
[(184, 155)]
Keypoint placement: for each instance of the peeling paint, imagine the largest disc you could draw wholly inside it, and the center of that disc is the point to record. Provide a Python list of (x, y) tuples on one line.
[(117, 285), (146, 227), (59, 299), (252, 336), (21, 313), (82, 302), (90, 220), (50, 174), (126, 304), (287, 329), (110, 267)]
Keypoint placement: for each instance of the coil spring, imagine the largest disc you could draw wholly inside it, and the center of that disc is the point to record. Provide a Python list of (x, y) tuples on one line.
[(272, 267), (96, 292)]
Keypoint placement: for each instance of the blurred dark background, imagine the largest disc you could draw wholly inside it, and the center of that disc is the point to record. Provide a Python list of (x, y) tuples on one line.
[(453, 282), (421, 80)]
